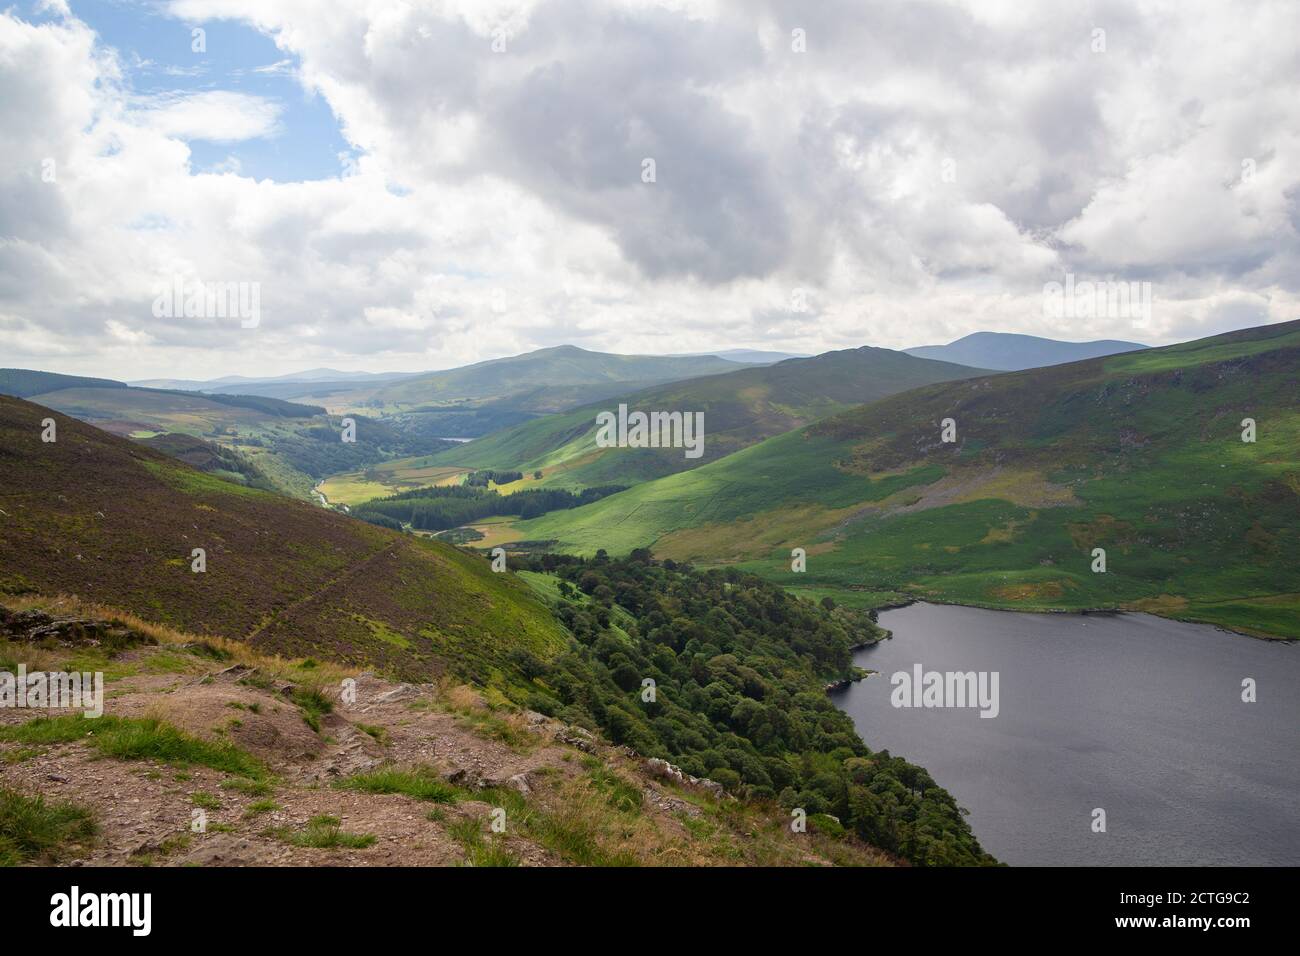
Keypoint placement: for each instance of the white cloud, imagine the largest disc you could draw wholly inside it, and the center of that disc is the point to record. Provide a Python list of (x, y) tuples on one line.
[(921, 170), (219, 116)]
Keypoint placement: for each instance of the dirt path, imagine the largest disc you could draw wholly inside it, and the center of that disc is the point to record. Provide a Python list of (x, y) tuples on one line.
[(316, 595), (562, 795)]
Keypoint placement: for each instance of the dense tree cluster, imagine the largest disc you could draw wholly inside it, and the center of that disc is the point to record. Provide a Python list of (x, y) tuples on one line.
[(437, 509), (739, 668), (481, 479)]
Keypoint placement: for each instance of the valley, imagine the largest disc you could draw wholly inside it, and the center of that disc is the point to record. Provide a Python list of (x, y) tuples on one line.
[(247, 590), (738, 584), (648, 434), (1141, 455)]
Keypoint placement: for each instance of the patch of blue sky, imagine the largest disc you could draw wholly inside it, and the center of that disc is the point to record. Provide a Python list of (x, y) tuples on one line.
[(158, 59)]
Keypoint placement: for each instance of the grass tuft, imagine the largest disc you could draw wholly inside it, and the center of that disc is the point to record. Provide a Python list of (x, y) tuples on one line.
[(326, 833), (247, 786), (421, 783), (33, 828), (136, 738), (480, 851), (314, 705)]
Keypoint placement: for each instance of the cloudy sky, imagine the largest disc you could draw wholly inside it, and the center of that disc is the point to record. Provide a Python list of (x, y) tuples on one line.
[(417, 184)]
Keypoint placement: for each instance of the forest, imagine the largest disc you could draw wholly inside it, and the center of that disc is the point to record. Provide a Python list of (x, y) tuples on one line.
[(450, 506), (739, 669)]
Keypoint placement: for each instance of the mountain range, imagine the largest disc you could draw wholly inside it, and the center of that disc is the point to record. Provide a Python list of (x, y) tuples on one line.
[(280, 657), (1139, 454), (739, 407), (842, 455)]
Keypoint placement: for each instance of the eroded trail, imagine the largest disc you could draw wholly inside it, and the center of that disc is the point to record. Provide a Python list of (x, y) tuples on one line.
[(317, 595)]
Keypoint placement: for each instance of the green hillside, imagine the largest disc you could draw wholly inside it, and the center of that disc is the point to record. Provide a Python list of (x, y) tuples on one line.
[(740, 408), (542, 381), (1141, 455), (292, 445), (115, 522), (210, 457), (742, 664), (24, 383)]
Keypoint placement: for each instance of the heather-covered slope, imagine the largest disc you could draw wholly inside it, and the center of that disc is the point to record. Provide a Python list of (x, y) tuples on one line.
[(109, 520)]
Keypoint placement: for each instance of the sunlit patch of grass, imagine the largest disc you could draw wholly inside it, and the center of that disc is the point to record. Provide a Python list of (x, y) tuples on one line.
[(619, 793), (471, 709), (421, 783), (136, 738)]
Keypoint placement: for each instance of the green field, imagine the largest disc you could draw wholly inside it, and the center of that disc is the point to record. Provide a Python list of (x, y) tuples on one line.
[(387, 478), (1140, 455)]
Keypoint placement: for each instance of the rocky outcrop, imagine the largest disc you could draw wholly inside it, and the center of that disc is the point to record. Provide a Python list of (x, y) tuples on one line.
[(577, 737), (663, 770), (36, 627)]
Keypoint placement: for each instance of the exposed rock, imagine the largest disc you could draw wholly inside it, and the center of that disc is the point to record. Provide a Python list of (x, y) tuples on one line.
[(37, 626), (718, 791), (465, 778), (401, 692), (576, 737), (670, 804), (536, 723), (233, 673), (663, 770)]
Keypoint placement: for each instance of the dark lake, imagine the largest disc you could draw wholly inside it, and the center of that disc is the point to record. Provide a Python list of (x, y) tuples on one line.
[(1134, 714)]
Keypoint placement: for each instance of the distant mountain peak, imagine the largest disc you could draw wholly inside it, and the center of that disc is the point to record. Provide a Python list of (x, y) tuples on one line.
[(1014, 351)]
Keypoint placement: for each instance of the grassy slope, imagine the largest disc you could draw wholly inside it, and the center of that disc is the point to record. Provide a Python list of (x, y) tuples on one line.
[(740, 408), (112, 521), (139, 412), (1138, 454), (565, 368), (27, 382), (289, 449)]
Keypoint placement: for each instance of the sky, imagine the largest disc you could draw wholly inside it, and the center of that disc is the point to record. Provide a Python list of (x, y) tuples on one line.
[(420, 184)]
